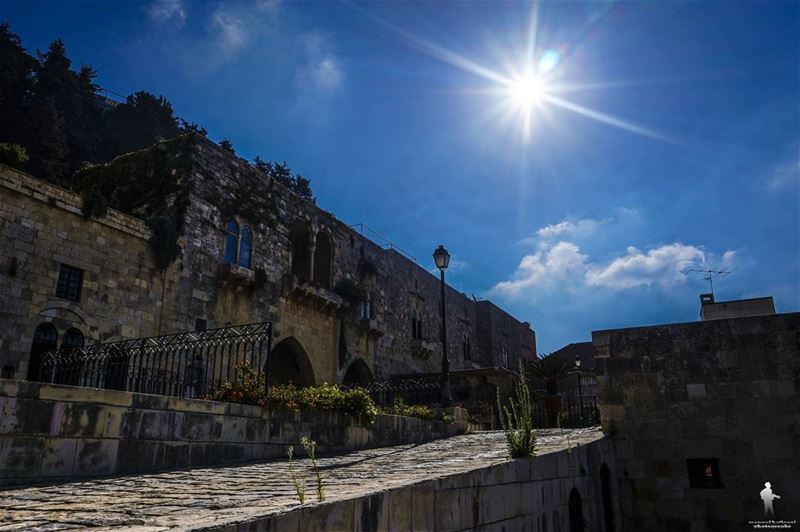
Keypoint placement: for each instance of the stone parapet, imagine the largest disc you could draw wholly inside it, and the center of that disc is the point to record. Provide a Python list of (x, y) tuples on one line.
[(50, 432)]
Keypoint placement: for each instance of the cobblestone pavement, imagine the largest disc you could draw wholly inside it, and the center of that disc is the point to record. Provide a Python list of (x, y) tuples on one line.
[(180, 500)]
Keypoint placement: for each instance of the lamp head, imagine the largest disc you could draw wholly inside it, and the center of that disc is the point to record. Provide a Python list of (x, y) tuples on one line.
[(442, 258)]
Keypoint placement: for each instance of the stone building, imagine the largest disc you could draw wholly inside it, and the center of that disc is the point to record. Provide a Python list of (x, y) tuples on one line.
[(346, 309), (702, 415)]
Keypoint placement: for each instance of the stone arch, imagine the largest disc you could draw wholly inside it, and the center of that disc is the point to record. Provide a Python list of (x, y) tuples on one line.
[(300, 236), (358, 374), (608, 499), (576, 521), (289, 363), (45, 340), (323, 259)]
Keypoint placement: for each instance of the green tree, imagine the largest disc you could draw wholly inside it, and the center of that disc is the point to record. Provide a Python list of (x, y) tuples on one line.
[(140, 122), (16, 84), (551, 370), (227, 145), (74, 95)]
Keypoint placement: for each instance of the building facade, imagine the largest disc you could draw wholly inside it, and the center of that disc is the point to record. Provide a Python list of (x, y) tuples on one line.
[(197, 238)]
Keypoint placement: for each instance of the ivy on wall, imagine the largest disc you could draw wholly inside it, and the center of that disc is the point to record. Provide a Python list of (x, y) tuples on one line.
[(145, 183)]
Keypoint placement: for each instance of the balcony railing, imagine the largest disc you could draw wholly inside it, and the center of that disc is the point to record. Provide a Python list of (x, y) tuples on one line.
[(190, 364)]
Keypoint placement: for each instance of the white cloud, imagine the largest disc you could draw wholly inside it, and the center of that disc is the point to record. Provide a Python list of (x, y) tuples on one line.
[(268, 6), (581, 228), (665, 265), (164, 11), (322, 69), (562, 263), (229, 29)]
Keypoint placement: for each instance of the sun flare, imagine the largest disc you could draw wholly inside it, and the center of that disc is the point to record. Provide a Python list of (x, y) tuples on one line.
[(527, 91)]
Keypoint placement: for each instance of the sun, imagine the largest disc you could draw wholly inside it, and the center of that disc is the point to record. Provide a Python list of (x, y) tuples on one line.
[(527, 91)]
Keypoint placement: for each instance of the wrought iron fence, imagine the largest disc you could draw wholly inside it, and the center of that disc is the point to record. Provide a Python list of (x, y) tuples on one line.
[(422, 391), (189, 364)]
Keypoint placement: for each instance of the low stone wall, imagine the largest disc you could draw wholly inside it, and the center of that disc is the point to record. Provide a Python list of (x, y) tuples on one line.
[(50, 433), (523, 494)]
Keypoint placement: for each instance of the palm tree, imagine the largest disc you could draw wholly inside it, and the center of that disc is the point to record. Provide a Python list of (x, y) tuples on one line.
[(551, 370)]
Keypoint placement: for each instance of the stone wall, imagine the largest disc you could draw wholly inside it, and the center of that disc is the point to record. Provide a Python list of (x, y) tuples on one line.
[(723, 394), (41, 227), (203, 187), (50, 433), (522, 494)]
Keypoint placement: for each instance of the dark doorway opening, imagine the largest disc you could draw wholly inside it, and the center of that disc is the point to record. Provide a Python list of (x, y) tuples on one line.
[(289, 364), (576, 520), (45, 339), (358, 374)]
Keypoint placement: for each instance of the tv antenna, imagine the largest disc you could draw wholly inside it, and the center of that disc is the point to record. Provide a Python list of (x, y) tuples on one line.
[(710, 273)]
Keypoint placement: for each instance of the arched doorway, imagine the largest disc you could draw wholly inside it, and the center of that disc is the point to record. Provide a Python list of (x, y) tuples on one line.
[(289, 363), (576, 521), (605, 489), (323, 254), (301, 250), (358, 374), (45, 339)]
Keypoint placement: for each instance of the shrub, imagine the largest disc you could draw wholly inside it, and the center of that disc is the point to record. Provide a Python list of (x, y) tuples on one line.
[(517, 422), (13, 155), (248, 387), (400, 409)]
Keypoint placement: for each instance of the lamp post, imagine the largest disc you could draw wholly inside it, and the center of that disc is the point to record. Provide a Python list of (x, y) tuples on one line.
[(442, 259), (580, 388)]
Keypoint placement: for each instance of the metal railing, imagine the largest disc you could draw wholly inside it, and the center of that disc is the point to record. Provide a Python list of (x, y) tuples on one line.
[(423, 391), (189, 364)]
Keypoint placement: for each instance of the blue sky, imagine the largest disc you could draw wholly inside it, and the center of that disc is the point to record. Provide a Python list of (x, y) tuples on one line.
[(661, 135)]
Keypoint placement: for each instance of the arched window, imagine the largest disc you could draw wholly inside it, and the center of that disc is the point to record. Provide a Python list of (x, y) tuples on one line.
[(244, 247), (45, 339), (323, 255), (231, 242), (73, 339), (238, 244), (414, 322), (467, 347), (301, 250), (367, 308)]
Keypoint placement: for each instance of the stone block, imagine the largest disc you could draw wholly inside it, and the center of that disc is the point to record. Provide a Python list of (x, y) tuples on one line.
[(85, 395), (513, 494), (491, 506), (137, 455), (95, 457), (83, 420), (400, 510), (58, 458), (696, 391), (26, 416), (776, 447), (702, 447), (423, 507), (21, 456), (370, 513)]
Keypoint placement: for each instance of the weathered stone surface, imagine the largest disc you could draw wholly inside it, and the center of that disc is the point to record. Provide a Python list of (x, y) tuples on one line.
[(393, 488), (719, 390), (86, 434)]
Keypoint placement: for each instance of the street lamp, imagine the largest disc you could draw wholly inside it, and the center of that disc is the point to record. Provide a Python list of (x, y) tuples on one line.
[(580, 388), (442, 259)]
